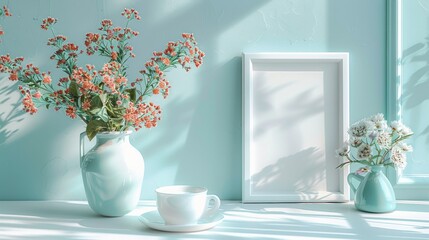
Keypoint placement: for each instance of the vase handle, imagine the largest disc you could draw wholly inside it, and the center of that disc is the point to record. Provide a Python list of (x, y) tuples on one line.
[(82, 147), (355, 176)]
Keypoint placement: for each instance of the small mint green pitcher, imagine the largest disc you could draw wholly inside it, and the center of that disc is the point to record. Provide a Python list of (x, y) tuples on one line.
[(374, 193)]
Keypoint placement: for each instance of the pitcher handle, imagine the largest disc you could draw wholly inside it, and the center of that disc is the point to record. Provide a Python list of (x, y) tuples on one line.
[(355, 176), (82, 147)]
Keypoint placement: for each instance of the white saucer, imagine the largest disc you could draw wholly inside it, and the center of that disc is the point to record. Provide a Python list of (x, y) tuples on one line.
[(153, 220)]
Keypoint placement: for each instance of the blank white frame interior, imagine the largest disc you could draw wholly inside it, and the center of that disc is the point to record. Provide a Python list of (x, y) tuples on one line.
[(295, 115)]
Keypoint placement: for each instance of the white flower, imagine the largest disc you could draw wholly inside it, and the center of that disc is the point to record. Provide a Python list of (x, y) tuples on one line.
[(384, 140), (400, 128), (361, 128), (364, 151), (398, 158), (355, 142), (379, 122), (404, 147), (405, 131), (377, 117), (396, 126), (344, 150), (382, 125)]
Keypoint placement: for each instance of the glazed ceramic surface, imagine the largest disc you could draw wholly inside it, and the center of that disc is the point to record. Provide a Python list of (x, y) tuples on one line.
[(374, 193), (153, 220), (112, 173), (181, 205)]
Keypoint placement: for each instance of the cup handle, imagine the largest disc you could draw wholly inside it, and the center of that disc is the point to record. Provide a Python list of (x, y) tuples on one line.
[(210, 210)]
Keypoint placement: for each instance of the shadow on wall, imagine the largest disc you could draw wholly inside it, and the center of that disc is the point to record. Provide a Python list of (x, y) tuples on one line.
[(285, 176), (43, 163), (416, 86), (12, 112), (35, 160)]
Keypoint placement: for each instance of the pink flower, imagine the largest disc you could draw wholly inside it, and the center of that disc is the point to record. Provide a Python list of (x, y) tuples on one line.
[(71, 112), (47, 79), (114, 55), (106, 23), (121, 80), (162, 84), (6, 12), (37, 95), (86, 105), (109, 83), (131, 14), (48, 22), (166, 61), (29, 104), (13, 76)]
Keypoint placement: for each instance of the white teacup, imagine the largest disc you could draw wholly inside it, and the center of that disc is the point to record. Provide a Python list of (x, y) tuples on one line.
[(182, 205)]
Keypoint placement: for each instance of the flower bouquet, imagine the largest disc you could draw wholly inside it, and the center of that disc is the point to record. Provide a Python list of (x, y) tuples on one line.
[(105, 99), (377, 145), (374, 142)]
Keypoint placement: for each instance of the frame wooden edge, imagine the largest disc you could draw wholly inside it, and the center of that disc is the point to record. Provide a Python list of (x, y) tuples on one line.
[(246, 125), (247, 89), (345, 121)]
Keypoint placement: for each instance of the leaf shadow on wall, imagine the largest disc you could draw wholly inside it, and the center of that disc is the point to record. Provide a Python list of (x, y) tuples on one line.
[(24, 149), (284, 175), (13, 113), (416, 86)]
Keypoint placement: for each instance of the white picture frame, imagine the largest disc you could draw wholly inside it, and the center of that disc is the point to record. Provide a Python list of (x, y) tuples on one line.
[(295, 115)]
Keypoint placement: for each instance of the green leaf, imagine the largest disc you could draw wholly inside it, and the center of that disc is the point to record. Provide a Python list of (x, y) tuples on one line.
[(103, 114), (103, 98), (117, 121), (94, 127), (96, 104), (132, 93), (74, 89)]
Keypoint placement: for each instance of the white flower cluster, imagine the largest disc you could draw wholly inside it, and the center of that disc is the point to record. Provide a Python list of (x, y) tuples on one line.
[(364, 151), (376, 142)]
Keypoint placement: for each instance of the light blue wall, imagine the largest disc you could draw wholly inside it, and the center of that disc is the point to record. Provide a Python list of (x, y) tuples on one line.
[(415, 66), (199, 139)]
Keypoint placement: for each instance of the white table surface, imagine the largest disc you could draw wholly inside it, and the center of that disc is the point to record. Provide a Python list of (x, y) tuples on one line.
[(46, 220)]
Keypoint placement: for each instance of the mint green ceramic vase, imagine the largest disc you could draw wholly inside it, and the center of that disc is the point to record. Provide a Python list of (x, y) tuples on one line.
[(374, 193), (112, 173)]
